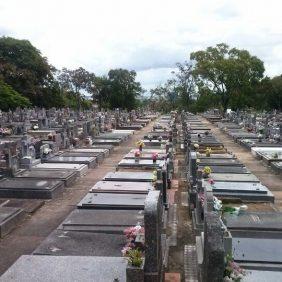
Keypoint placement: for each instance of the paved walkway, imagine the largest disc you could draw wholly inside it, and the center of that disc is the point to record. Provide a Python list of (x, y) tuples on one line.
[(268, 178), (25, 238)]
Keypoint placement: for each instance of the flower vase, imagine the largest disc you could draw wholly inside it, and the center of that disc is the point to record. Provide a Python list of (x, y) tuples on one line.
[(135, 273), (140, 148), (137, 160)]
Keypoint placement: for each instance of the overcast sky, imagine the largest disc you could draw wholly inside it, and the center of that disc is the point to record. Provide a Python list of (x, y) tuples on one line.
[(149, 36)]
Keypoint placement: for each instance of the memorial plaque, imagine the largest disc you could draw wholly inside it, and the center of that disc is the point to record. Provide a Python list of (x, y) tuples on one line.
[(90, 161), (30, 188), (81, 243), (122, 187), (80, 168), (66, 268), (268, 221), (130, 163), (9, 218), (226, 169), (67, 176), (112, 201), (105, 221), (129, 176), (227, 177)]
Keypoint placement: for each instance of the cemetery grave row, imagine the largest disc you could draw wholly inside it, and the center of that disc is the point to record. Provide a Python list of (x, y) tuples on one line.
[(131, 201), (238, 231)]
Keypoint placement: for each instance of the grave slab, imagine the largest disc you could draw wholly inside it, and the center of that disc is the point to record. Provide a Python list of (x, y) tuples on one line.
[(226, 169), (90, 161), (112, 201), (9, 218), (236, 177), (268, 221), (67, 176), (114, 142), (81, 169), (276, 166), (129, 176), (145, 156), (264, 250), (98, 156), (122, 187), (65, 269), (30, 188), (216, 156), (101, 146), (105, 152), (219, 162), (81, 243), (102, 221), (262, 276), (28, 205), (130, 163)]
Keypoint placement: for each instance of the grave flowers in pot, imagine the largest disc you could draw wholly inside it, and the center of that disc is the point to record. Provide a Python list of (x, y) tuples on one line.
[(206, 171), (137, 156), (133, 251), (233, 272), (140, 144), (208, 152), (154, 157)]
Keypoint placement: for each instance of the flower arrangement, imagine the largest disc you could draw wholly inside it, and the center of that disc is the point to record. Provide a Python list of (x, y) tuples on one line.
[(217, 204), (35, 127), (233, 272), (154, 179), (134, 249), (208, 152), (206, 171), (140, 144), (234, 210), (154, 157), (196, 146), (211, 181), (6, 131)]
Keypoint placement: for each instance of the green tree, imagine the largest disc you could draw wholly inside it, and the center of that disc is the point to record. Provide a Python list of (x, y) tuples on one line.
[(74, 81), (24, 68), (11, 99), (124, 89), (274, 98), (229, 73)]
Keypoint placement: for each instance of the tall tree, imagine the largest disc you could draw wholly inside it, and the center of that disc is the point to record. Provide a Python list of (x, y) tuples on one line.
[(124, 88), (227, 72), (184, 83), (75, 81), (24, 68)]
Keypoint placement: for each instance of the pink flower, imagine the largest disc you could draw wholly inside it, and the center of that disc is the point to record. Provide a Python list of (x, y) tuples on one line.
[(211, 181)]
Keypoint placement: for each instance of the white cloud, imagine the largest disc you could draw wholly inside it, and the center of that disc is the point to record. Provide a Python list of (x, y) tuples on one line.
[(148, 36)]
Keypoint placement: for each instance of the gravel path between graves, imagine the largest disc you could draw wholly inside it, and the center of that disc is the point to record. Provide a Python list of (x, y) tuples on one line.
[(185, 235), (268, 178), (27, 237)]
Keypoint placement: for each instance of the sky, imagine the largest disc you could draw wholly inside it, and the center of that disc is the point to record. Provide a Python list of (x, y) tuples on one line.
[(148, 36)]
